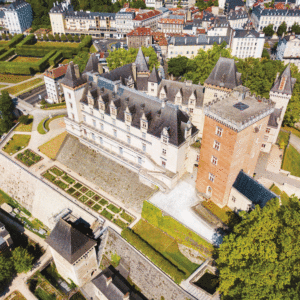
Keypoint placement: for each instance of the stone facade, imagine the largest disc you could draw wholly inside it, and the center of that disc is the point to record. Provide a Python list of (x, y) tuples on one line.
[(34, 194), (154, 284)]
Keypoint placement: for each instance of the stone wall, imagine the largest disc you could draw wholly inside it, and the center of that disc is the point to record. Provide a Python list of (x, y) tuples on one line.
[(34, 194), (152, 281)]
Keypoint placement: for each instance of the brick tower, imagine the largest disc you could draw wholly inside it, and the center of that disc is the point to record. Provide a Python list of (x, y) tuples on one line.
[(232, 135)]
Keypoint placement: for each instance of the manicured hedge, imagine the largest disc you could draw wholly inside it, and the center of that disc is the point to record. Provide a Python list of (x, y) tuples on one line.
[(29, 40), (158, 259), (172, 227), (55, 58), (7, 54), (2, 50), (28, 50), (85, 43), (14, 41)]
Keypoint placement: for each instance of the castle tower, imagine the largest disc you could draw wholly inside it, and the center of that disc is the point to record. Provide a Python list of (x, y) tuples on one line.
[(153, 83), (142, 72), (232, 135), (74, 253), (73, 87), (280, 93), (222, 80)]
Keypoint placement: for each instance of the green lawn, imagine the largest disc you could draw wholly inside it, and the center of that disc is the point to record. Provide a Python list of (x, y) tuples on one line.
[(164, 244), (16, 143), (291, 161), (283, 136), (27, 127), (292, 130), (18, 89), (52, 147), (283, 195), (9, 78)]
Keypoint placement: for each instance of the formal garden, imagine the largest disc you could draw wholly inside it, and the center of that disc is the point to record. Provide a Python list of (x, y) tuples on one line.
[(16, 143), (92, 199), (28, 157), (16, 295)]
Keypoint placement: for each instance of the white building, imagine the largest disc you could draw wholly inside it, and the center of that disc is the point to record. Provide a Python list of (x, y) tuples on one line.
[(52, 82), (147, 19), (247, 43), (288, 50), (147, 134), (154, 3), (237, 19), (261, 17), (18, 16), (124, 23)]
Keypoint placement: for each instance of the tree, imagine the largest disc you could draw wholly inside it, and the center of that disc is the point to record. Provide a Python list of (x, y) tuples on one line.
[(265, 54), (260, 258), (10, 36), (178, 65), (281, 29), (269, 31), (63, 38), (4, 37), (282, 144), (57, 37), (296, 28), (76, 38), (45, 38), (70, 38), (6, 271), (22, 260), (6, 106), (24, 119), (51, 37)]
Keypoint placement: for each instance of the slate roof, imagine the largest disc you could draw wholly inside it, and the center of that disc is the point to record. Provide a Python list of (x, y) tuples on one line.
[(284, 84), (237, 14), (140, 31), (92, 64), (232, 4), (260, 11), (70, 14), (114, 75), (117, 288), (70, 78), (224, 74), (70, 243), (2, 14), (141, 63), (154, 77), (142, 83), (253, 190), (201, 39), (274, 117), (139, 103), (172, 88), (242, 33), (16, 5)]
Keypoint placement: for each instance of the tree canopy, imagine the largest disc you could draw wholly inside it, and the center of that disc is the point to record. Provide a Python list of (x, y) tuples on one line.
[(178, 65), (281, 29), (6, 271), (296, 28), (121, 57), (269, 31), (6, 112), (22, 260), (260, 258)]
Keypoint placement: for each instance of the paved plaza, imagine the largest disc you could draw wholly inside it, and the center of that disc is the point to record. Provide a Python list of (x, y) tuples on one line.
[(108, 175)]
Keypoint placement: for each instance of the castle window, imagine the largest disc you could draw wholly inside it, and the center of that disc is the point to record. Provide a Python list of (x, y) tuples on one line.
[(128, 118), (102, 106), (165, 140), (69, 95), (84, 131), (113, 111), (102, 116), (219, 131), (164, 151), (217, 145), (263, 145), (101, 140), (191, 110), (71, 105), (144, 147), (121, 151), (139, 160), (101, 126), (115, 133), (209, 190), (94, 123), (128, 139), (215, 95), (197, 158), (73, 117), (233, 199), (114, 122), (84, 118), (268, 130), (214, 160), (144, 135), (211, 177), (93, 136), (163, 163), (128, 128), (92, 112)]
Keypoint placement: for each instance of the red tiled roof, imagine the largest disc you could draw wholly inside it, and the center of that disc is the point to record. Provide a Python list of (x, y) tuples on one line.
[(174, 8), (171, 21), (209, 9), (200, 31), (140, 31), (57, 72), (147, 15), (133, 10)]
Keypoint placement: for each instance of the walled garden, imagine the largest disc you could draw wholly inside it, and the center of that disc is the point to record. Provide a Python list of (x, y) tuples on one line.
[(92, 199), (28, 157), (16, 143)]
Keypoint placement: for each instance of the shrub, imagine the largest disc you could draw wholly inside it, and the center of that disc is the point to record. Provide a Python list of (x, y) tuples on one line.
[(24, 119), (7, 55), (57, 37), (71, 191), (49, 176), (85, 43), (103, 202), (78, 185), (76, 38), (63, 38), (96, 207), (4, 36), (14, 41), (158, 259), (42, 295), (56, 171), (29, 40), (55, 58)]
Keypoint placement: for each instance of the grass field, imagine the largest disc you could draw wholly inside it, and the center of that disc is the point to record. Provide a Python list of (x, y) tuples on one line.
[(283, 195), (283, 136), (93, 49), (164, 244), (16, 143), (25, 128), (13, 78), (292, 130), (26, 59), (291, 161), (56, 44), (51, 148), (221, 213), (17, 89), (40, 127)]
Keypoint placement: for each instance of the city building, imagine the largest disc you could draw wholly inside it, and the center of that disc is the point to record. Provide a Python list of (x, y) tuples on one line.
[(219, 27), (280, 93), (237, 18), (73, 252), (18, 16), (222, 80), (154, 3), (247, 43), (233, 132), (124, 23), (246, 193), (147, 134), (169, 25), (52, 82), (190, 45), (288, 49), (147, 19), (5, 239), (140, 37), (262, 17)]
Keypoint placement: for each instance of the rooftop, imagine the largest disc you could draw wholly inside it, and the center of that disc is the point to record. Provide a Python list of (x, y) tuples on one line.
[(239, 109), (57, 72), (147, 15), (140, 31), (171, 21)]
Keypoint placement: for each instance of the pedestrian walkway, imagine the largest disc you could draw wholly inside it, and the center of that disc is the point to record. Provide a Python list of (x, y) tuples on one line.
[(295, 142)]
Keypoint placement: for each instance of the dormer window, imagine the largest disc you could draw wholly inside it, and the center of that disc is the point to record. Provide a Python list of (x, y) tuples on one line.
[(113, 111), (144, 124), (165, 139), (162, 96), (102, 106)]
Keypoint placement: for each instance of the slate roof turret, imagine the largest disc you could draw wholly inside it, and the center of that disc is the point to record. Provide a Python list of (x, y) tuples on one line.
[(154, 77), (92, 64), (70, 78), (141, 63)]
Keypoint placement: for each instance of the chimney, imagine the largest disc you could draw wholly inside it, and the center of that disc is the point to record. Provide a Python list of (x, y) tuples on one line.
[(77, 73), (108, 281), (185, 40), (116, 87), (134, 71), (163, 103), (100, 69)]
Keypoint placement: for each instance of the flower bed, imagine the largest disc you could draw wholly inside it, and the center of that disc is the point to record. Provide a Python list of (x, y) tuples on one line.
[(28, 157), (120, 223), (113, 208), (90, 194), (61, 184), (84, 189), (90, 203), (57, 171), (71, 191), (96, 198), (106, 214), (77, 195), (96, 207), (77, 185), (126, 217), (68, 179), (49, 176), (83, 198), (103, 202)]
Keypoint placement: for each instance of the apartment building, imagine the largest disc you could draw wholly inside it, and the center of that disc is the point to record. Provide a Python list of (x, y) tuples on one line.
[(247, 43), (262, 17), (18, 16), (147, 19), (154, 3), (237, 18), (168, 25), (124, 23), (233, 131), (140, 37)]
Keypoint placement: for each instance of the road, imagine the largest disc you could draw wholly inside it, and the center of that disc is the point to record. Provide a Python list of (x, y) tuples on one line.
[(104, 43)]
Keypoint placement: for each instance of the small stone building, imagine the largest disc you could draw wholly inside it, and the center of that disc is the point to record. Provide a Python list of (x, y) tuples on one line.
[(140, 37), (74, 253)]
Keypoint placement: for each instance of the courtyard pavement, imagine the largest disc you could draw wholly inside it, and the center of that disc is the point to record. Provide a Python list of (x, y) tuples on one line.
[(178, 203)]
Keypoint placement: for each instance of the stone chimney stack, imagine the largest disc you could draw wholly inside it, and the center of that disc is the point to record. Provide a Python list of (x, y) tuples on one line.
[(77, 73), (108, 281)]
